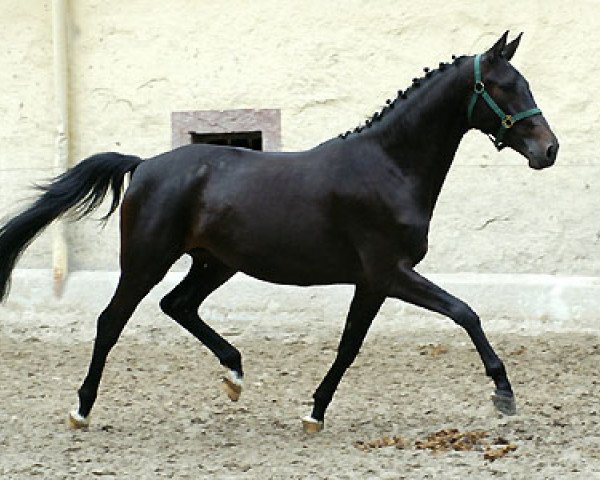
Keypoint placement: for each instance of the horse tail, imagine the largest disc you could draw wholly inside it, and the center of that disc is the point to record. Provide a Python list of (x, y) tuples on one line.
[(81, 189)]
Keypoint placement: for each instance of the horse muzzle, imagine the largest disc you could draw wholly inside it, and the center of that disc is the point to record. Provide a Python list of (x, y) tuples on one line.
[(541, 154)]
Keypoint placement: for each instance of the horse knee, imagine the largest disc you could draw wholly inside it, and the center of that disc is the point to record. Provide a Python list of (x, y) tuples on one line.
[(232, 359)]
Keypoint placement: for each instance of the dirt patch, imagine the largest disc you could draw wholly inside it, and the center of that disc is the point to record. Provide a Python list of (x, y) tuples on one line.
[(161, 413)]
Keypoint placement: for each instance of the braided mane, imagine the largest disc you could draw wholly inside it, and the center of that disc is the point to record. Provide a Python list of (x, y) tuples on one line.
[(403, 95)]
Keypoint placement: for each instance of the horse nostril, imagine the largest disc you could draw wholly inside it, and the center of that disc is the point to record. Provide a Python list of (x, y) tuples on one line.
[(551, 152)]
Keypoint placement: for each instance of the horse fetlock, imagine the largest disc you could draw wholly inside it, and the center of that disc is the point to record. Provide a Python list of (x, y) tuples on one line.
[(320, 405), (497, 372), (232, 359), (87, 397)]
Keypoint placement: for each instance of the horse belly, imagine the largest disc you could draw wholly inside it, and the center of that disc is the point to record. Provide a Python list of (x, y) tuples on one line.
[(291, 268), (293, 255)]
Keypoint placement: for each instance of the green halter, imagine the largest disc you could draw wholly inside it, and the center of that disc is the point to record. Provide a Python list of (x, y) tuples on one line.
[(506, 121)]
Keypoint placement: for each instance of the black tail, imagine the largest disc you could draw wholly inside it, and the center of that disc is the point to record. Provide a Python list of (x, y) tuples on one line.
[(81, 188)]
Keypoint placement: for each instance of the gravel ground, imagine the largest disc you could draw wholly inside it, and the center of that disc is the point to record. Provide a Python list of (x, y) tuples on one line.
[(161, 414)]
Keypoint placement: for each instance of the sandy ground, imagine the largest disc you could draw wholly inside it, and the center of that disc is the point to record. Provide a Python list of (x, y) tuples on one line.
[(161, 414)]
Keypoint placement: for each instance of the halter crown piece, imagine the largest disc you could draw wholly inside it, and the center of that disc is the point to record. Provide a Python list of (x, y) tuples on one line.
[(506, 120)]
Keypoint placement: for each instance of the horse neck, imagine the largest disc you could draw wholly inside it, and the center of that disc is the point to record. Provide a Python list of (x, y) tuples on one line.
[(421, 133)]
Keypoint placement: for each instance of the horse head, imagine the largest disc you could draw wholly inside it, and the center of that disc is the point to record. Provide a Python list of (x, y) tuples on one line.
[(502, 106)]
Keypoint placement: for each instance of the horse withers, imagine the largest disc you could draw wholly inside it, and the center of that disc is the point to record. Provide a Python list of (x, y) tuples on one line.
[(355, 209)]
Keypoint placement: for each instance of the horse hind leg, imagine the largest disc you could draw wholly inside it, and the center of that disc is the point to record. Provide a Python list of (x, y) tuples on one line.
[(181, 304), (134, 284)]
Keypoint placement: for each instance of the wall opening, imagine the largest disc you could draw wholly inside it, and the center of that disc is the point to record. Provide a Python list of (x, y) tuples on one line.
[(258, 129), (251, 140)]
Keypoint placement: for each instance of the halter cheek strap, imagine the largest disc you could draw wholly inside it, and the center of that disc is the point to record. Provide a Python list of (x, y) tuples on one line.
[(506, 121)]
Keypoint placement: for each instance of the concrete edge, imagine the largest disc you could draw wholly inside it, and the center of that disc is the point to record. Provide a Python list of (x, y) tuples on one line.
[(522, 303)]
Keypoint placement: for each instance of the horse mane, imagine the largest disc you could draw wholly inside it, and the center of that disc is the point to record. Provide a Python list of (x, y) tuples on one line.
[(404, 94)]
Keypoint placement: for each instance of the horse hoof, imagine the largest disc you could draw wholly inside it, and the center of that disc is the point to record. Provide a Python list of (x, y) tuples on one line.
[(76, 421), (232, 385), (505, 404), (310, 425)]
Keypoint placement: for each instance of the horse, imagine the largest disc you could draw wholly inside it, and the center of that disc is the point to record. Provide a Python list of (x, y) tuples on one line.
[(355, 209)]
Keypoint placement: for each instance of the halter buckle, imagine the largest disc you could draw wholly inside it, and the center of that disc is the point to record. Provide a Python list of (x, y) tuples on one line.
[(507, 121), (479, 87)]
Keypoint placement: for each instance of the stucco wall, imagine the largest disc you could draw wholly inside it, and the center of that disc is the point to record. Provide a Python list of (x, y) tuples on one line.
[(26, 108), (326, 65)]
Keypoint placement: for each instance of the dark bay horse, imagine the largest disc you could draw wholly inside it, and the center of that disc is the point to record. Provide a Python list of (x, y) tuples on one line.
[(353, 210)]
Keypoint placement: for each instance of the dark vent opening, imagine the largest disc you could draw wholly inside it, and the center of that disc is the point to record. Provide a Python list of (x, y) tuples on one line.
[(251, 140)]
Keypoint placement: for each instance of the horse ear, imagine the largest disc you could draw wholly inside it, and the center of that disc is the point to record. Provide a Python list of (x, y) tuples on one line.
[(496, 51), (511, 48)]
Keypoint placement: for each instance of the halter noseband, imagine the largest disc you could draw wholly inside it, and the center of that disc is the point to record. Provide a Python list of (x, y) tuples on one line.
[(506, 121)]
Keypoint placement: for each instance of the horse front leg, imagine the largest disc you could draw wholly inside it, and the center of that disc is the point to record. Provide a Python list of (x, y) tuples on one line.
[(411, 287), (363, 309)]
